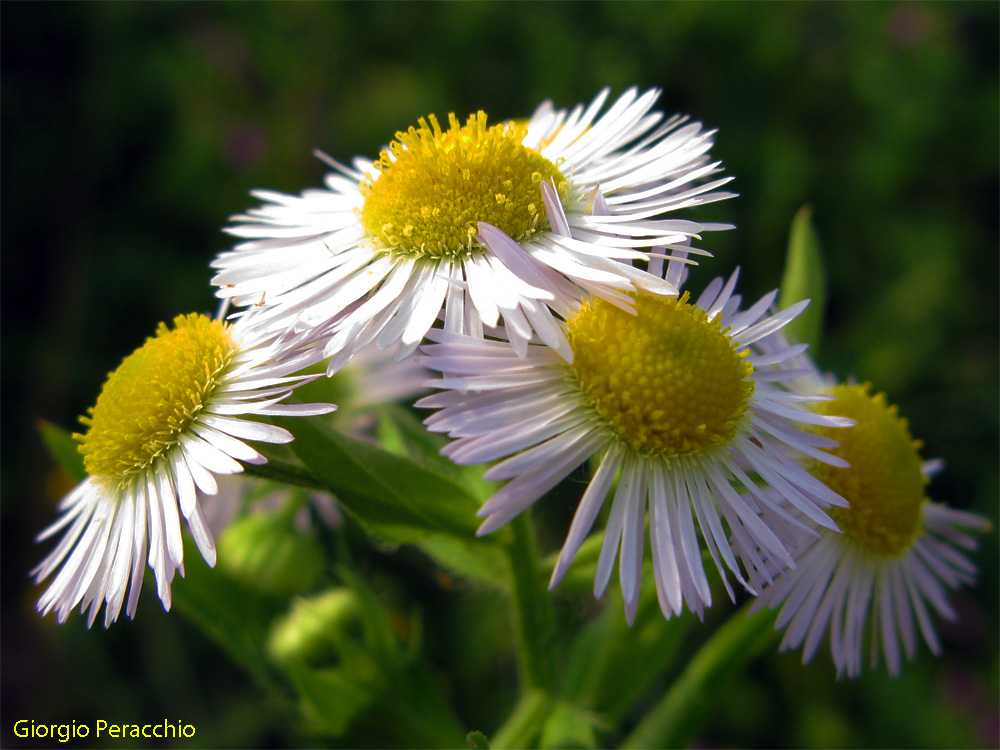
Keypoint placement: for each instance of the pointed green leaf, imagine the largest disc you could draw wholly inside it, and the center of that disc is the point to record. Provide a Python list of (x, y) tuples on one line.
[(64, 449), (394, 497), (402, 433), (804, 278)]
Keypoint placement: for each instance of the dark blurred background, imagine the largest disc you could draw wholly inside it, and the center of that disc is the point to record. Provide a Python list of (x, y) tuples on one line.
[(130, 133)]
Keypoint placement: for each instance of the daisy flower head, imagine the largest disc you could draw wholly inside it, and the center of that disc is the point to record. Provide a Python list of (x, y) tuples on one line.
[(484, 221), (675, 403), (896, 558), (172, 416)]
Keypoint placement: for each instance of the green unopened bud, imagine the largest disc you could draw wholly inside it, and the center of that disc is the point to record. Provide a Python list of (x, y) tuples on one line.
[(262, 550), (312, 626)]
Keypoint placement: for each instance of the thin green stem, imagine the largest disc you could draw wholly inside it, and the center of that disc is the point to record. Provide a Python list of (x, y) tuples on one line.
[(679, 715), (525, 722), (534, 622)]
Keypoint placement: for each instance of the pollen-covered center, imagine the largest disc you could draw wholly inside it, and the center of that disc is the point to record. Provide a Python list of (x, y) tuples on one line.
[(884, 484), (151, 399), (668, 381), (435, 185)]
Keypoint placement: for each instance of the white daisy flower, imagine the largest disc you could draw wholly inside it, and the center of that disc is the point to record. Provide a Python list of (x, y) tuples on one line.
[(506, 221), (675, 404), (169, 418), (898, 552)]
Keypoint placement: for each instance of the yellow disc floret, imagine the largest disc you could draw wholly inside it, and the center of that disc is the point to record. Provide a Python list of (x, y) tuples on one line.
[(884, 484), (153, 396), (435, 185), (667, 380)]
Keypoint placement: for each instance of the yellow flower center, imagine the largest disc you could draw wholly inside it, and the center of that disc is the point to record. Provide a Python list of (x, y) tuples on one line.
[(667, 380), (884, 484), (151, 399), (435, 186)]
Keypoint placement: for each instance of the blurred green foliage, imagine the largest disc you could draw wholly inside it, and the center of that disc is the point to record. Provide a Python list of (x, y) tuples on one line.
[(131, 131)]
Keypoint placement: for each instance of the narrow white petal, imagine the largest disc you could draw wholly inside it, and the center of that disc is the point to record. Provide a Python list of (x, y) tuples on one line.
[(633, 541), (586, 513), (202, 535), (613, 529), (167, 499)]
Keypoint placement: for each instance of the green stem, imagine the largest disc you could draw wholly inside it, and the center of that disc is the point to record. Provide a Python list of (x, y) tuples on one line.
[(534, 622), (676, 719), (525, 723)]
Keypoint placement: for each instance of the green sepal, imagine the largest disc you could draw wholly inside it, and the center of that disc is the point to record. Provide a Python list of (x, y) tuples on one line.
[(64, 449), (393, 497), (804, 278)]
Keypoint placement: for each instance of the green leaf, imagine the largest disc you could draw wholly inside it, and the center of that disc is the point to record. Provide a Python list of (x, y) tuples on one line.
[(472, 558), (64, 449), (804, 278), (394, 497), (400, 432), (676, 719)]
